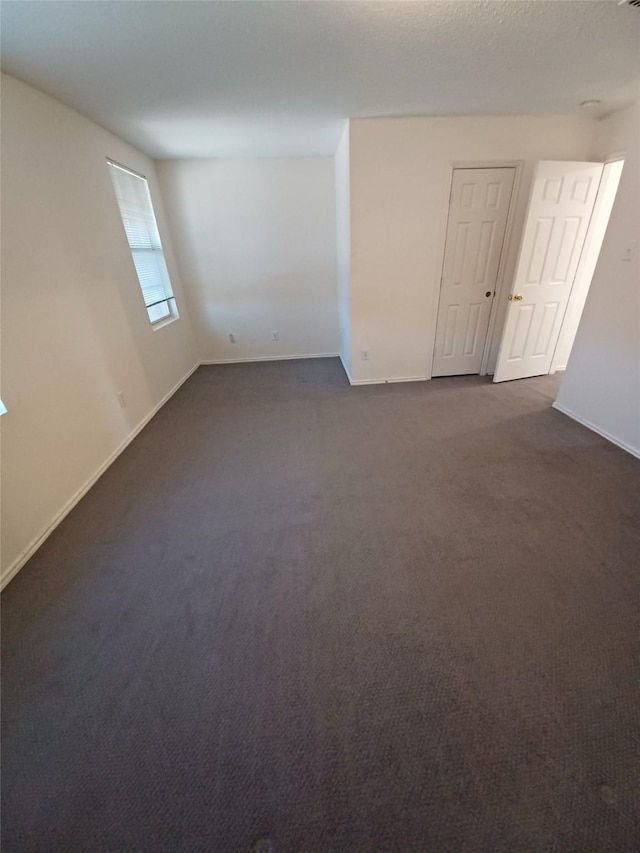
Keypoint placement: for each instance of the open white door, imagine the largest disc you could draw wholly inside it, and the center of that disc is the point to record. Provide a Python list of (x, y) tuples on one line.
[(560, 207)]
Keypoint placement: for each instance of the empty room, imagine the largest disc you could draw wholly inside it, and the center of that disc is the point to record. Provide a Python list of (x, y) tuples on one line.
[(320, 425)]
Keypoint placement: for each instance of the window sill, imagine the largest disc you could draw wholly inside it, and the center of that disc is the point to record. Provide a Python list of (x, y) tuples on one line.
[(166, 322)]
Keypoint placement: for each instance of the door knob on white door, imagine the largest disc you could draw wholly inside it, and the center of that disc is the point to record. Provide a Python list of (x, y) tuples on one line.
[(516, 296)]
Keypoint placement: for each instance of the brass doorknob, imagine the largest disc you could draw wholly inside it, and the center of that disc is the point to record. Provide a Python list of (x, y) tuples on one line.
[(516, 296)]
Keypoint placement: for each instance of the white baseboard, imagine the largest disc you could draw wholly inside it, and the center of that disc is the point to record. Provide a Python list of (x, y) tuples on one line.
[(270, 358), (33, 546), (389, 381), (634, 451), (353, 381)]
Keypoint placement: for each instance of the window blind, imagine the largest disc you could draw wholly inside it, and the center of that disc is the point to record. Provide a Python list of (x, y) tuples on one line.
[(138, 218)]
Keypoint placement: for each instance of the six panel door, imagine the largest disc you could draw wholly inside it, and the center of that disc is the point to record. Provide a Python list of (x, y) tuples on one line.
[(478, 211), (560, 206)]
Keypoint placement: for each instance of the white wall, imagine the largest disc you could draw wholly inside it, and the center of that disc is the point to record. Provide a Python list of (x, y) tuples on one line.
[(74, 326), (256, 242), (588, 260), (601, 386), (343, 236), (400, 178)]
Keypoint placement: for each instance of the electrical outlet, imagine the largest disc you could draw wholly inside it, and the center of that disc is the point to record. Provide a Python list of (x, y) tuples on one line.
[(364, 355), (121, 399), (232, 338), (276, 336)]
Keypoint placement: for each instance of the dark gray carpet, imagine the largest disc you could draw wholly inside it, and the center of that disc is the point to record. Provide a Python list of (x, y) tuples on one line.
[(390, 618)]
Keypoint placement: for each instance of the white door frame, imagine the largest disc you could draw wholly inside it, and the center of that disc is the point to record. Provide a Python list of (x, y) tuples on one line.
[(508, 233)]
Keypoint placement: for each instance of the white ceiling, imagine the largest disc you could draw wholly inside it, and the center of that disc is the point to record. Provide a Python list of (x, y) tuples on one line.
[(270, 78)]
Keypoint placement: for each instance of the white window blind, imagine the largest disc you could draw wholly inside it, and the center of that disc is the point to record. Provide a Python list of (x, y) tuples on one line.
[(138, 218)]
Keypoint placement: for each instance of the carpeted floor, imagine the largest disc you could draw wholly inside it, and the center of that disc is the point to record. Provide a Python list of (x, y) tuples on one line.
[(388, 618)]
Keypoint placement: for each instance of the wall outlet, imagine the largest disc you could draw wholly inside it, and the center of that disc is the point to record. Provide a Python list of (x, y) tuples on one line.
[(276, 336), (121, 399), (364, 354), (232, 338)]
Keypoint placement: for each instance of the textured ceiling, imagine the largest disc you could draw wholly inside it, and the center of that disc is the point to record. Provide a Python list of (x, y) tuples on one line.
[(201, 79)]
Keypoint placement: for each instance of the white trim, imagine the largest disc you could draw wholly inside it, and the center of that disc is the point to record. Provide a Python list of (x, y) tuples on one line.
[(634, 451), (30, 550), (167, 321), (485, 164), (270, 358), (354, 382), (390, 381)]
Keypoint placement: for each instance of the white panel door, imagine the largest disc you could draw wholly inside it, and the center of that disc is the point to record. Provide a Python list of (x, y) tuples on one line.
[(560, 207), (478, 211)]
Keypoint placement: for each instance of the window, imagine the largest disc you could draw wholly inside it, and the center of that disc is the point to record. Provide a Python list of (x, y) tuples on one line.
[(138, 218)]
